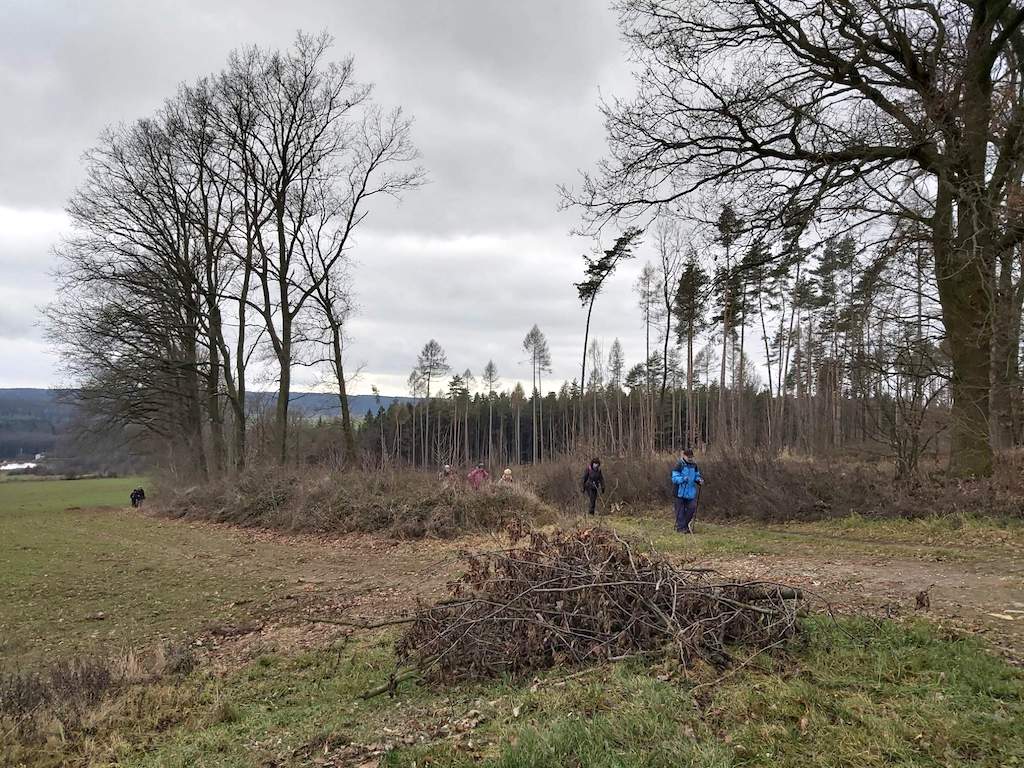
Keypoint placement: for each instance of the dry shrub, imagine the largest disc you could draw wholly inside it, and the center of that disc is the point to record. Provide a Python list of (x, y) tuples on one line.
[(631, 481), (62, 697), (224, 711), (749, 485), (64, 691), (408, 503), (175, 659), (585, 596), (998, 496), (758, 486), (740, 485)]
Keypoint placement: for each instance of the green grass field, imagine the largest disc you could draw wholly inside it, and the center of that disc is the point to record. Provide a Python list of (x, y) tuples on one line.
[(953, 538), (29, 495), (74, 549), (853, 693)]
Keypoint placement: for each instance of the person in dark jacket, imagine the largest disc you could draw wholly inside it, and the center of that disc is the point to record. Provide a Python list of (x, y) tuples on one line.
[(686, 480), (137, 497), (593, 481)]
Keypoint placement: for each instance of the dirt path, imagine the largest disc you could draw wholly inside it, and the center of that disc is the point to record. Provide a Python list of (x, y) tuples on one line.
[(107, 578), (328, 582), (984, 597), (366, 577)]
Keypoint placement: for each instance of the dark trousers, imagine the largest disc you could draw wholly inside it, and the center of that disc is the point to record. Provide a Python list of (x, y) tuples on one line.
[(685, 510), (592, 495)]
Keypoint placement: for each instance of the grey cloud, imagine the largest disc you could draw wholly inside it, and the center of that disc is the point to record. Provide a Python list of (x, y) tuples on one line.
[(478, 298), (499, 90), (503, 95)]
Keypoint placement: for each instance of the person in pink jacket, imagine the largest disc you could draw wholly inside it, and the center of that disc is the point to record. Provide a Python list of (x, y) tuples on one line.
[(478, 476)]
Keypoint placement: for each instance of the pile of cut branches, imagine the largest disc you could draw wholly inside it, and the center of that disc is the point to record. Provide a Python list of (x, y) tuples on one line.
[(583, 596)]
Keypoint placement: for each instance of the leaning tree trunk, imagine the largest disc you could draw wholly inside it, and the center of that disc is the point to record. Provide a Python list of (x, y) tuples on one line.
[(578, 428)]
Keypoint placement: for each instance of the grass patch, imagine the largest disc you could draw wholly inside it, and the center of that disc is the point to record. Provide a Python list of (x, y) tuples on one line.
[(713, 539), (851, 694), (953, 538), (278, 713), (906, 697), (956, 530)]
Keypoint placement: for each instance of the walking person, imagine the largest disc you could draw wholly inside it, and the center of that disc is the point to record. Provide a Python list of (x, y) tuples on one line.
[(593, 481), (478, 476), (687, 480)]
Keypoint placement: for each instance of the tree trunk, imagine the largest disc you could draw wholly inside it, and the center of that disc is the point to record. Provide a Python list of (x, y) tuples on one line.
[(578, 429), (1004, 360), (239, 401), (490, 427), (691, 421), (964, 279), (281, 412), (767, 359), (540, 397), (426, 428), (339, 372), (214, 411), (192, 408)]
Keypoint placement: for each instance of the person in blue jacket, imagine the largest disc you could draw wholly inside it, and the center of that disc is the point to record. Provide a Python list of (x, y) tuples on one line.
[(686, 479)]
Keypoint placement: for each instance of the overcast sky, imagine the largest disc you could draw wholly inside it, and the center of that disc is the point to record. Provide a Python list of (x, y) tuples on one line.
[(504, 96)]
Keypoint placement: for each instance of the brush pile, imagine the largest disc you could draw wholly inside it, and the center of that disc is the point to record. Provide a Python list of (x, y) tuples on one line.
[(584, 596)]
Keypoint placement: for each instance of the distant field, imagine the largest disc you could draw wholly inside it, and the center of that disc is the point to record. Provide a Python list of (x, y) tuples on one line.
[(47, 495), (71, 550)]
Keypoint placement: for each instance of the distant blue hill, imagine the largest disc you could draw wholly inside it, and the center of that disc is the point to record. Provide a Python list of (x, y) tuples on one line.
[(320, 404), (32, 419)]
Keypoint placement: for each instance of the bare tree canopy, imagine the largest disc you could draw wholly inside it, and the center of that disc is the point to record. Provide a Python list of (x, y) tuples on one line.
[(220, 224), (831, 113)]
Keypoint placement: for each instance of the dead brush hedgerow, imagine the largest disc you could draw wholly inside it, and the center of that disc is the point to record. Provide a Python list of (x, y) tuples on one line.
[(755, 485), (583, 596), (408, 504), (747, 484)]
